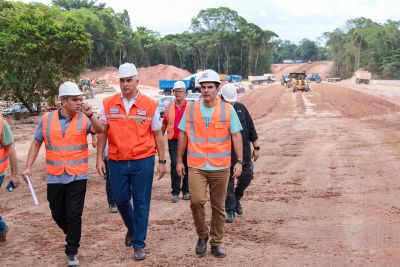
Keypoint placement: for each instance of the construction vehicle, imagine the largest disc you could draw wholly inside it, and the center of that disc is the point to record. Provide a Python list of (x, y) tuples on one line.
[(285, 79), (298, 81), (263, 79), (190, 83), (314, 78), (362, 76)]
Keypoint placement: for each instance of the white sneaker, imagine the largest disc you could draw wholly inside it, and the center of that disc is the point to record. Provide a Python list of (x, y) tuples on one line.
[(73, 260)]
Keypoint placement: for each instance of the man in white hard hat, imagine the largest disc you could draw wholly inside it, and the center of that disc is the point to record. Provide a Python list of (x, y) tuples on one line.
[(249, 135), (133, 129), (172, 117), (64, 133), (207, 128)]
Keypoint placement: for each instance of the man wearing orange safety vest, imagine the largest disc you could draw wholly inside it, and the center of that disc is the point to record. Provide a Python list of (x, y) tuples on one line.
[(64, 133), (172, 117), (132, 127), (207, 128), (8, 158)]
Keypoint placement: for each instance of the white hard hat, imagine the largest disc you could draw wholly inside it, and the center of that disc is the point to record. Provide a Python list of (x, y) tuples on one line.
[(179, 85), (229, 92), (127, 70), (209, 76), (69, 89)]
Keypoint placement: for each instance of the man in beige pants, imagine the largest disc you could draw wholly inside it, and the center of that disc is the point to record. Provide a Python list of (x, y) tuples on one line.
[(207, 128)]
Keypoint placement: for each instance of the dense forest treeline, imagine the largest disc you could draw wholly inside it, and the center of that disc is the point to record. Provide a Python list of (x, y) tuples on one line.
[(42, 45)]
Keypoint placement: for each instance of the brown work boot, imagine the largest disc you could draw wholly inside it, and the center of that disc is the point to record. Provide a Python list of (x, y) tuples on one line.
[(139, 254), (128, 239), (3, 236)]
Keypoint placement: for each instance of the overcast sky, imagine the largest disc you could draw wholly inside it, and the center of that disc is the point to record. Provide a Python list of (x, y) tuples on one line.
[(291, 19)]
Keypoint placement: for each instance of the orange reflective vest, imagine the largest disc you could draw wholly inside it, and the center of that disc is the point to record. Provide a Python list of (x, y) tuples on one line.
[(4, 162), (130, 137), (69, 152), (212, 144), (170, 114)]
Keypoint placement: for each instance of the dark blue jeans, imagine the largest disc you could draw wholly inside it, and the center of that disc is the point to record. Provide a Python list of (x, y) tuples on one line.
[(3, 224), (236, 193), (175, 179), (133, 179), (110, 199)]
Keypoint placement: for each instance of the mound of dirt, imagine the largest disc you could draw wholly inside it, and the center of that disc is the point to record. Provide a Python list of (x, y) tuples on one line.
[(148, 76), (151, 75), (324, 68), (107, 74)]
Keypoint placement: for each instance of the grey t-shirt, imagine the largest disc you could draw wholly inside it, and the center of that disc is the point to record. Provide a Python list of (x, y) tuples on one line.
[(64, 178)]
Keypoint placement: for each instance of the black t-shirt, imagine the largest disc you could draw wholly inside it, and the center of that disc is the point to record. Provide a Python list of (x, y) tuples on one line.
[(249, 133)]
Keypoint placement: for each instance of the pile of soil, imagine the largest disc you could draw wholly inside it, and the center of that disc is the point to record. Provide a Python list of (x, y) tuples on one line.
[(151, 75), (324, 68), (148, 76)]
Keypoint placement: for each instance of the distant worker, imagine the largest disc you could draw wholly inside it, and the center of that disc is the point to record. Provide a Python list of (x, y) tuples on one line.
[(172, 117), (207, 127), (249, 135), (64, 133), (132, 127), (8, 158)]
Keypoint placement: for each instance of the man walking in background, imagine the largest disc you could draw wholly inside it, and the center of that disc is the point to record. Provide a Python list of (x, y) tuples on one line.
[(64, 133), (172, 117), (249, 135), (207, 128), (133, 129), (8, 157)]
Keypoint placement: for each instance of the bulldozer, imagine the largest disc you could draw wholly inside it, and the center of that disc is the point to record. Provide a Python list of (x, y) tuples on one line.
[(298, 81)]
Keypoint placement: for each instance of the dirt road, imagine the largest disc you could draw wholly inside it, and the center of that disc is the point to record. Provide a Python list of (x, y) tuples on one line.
[(326, 193)]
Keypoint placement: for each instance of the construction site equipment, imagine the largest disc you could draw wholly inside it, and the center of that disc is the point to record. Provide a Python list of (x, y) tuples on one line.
[(314, 78), (263, 79), (363, 76), (298, 81), (333, 79), (285, 79)]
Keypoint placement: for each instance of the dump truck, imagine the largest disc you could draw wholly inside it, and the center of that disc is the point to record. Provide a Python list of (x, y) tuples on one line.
[(362, 76), (167, 85), (298, 81), (262, 79)]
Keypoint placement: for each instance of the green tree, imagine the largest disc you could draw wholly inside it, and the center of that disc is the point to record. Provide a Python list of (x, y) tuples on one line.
[(40, 48)]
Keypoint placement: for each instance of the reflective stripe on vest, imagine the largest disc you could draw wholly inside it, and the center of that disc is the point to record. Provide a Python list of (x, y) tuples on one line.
[(130, 136), (212, 144), (69, 152), (4, 162), (170, 114)]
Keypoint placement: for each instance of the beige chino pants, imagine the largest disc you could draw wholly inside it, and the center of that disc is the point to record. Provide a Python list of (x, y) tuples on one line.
[(218, 183)]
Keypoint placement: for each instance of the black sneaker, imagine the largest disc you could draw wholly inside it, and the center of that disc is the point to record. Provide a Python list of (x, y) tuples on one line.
[(218, 252), (238, 208), (230, 217), (73, 260), (201, 247)]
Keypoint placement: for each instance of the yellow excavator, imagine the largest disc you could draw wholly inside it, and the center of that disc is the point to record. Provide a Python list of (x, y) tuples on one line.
[(298, 81)]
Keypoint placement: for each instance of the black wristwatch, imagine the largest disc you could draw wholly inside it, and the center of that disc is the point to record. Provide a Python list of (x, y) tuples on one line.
[(257, 148), (240, 161), (162, 161)]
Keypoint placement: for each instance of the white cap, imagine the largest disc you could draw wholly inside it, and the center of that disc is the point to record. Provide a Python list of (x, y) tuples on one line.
[(179, 85), (229, 92), (209, 76), (127, 70), (69, 89)]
